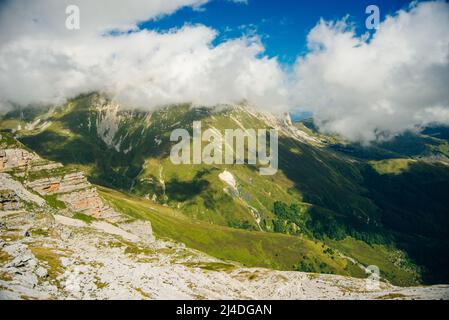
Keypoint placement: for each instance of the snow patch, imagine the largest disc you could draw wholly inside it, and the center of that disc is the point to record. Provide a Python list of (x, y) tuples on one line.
[(228, 178)]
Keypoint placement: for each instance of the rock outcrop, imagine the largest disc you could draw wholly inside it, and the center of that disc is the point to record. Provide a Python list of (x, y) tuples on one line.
[(9, 200), (60, 184), (12, 186), (88, 202), (16, 158), (71, 259), (49, 178)]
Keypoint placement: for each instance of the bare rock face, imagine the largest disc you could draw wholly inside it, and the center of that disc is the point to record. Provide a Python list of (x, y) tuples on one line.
[(16, 158), (9, 200), (88, 202), (58, 185), (50, 178), (77, 193), (8, 183)]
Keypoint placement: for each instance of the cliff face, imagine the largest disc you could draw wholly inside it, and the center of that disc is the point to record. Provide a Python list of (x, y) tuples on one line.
[(48, 178), (16, 158), (9, 200)]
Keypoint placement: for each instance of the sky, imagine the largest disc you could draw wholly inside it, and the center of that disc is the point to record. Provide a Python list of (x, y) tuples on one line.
[(274, 56), (283, 25)]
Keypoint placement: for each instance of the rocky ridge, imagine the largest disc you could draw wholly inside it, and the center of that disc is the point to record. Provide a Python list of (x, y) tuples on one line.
[(48, 256), (48, 178)]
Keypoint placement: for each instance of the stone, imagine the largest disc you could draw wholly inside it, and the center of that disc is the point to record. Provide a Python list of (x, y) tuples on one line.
[(9, 200), (88, 202), (8, 183), (142, 229), (41, 272), (21, 261), (16, 158), (57, 185)]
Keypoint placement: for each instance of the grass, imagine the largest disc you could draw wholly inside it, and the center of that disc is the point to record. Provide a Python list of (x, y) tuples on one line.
[(250, 248), (392, 296), (7, 141), (143, 293), (381, 256), (51, 259), (392, 166), (9, 124), (99, 284), (135, 250), (84, 217), (5, 276), (57, 172), (4, 258), (211, 266), (198, 192), (39, 232), (53, 202)]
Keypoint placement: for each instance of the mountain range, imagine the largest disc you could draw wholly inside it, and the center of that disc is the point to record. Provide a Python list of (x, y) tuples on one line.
[(333, 207)]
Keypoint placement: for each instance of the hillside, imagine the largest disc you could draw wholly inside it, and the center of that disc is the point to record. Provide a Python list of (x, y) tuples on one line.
[(384, 205), (54, 245)]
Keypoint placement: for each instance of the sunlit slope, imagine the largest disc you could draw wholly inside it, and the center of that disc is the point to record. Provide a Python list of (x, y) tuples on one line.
[(324, 188), (261, 249)]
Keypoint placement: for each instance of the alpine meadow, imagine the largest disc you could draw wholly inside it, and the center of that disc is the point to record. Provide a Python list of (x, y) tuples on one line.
[(224, 150)]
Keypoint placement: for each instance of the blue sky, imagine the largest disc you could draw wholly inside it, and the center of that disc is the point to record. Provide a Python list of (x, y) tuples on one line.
[(283, 25)]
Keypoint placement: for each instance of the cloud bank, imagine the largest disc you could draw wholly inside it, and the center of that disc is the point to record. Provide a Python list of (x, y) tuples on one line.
[(363, 89), (373, 89), (41, 62)]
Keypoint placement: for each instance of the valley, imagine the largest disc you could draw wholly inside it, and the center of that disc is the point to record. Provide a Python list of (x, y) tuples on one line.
[(332, 207), (49, 249)]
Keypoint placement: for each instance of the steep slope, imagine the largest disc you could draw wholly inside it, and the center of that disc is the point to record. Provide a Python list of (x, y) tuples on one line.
[(50, 251), (324, 189), (71, 259)]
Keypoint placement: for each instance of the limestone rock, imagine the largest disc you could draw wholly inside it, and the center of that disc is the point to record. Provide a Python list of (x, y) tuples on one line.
[(57, 185), (41, 272), (16, 158), (142, 229), (88, 202), (7, 183), (9, 200)]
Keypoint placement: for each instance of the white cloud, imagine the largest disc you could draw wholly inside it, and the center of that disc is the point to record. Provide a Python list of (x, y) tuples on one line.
[(45, 64), (366, 90), (360, 89), (47, 17), (239, 1)]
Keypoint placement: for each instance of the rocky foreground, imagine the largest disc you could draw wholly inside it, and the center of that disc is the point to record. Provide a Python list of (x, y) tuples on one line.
[(60, 240)]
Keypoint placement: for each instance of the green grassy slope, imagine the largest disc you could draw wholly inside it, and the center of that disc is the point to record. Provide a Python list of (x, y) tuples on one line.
[(261, 249), (381, 195), (253, 249)]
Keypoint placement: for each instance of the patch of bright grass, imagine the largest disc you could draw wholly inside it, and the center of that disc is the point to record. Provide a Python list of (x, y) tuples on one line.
[(5, 276), (53, 202), (392, 166), (84, 217), (51, 259), (211, 266)]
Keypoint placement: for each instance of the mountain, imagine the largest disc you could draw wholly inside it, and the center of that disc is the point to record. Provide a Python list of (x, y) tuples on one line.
[(331, 207), (61, 238)]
